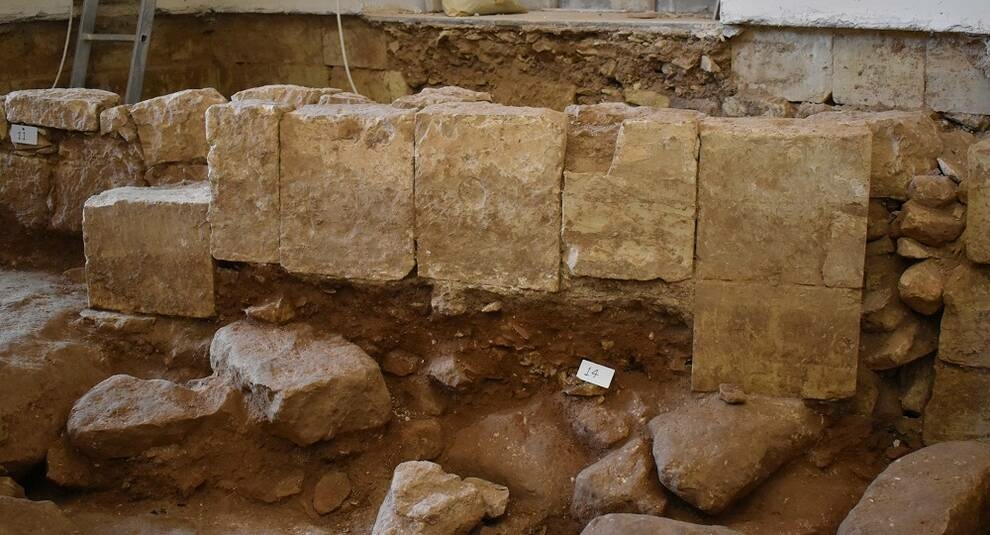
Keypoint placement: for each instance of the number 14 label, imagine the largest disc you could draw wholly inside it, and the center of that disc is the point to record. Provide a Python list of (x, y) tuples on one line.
[(595, 374)]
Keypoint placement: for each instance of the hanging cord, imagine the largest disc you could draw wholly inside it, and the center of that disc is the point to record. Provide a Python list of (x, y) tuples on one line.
[(343, 49), (65, 49)]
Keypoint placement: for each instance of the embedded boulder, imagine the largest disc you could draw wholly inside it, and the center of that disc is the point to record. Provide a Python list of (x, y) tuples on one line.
[(920, 287), (19, 516), (624, 481), (931, 226), (629, 524)]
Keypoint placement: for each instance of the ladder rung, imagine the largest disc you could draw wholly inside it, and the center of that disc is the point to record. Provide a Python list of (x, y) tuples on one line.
[(108, 37)]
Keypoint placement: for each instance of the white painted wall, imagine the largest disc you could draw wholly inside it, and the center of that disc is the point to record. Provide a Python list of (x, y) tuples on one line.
[(967, 16)]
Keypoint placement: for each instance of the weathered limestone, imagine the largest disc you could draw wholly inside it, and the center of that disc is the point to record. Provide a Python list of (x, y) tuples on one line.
[(630, 524), (782, 221), (295, 96), (344, 97), (440, 95), (920, 287), (904, 144), (956, 80), (88, 165), (488, 194), (711, 453), (244, 179), (124, 416), (170, 174), (911, 339), (425, 500), (117, 120), (346, 191), (306, 386), (978, 209), (36, 517), (172, 128), (934, 191), (939, 490), (25, 182), (64, 109), (793, 64), (636, 221), (593, 132), (879, 69), (624, 481), (931, 226), (959, 408), (148, 250), (964, 337)]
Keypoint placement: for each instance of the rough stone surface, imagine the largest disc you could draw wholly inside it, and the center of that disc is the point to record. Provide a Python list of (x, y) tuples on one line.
[(939, 490), (124, 416), (878, 220), (440, 95), (88, 165), (346, 191), (959, 408), (904, 144), (978, 207), (38, 518), (932, 190), (592, 134), (117, 121), (711, 453), (931, 226), (956, 75), (920, 287), (277, 310), (330, 492), (879, 69), (636, 221), (630, 524), (172, 128), (148, 250), (624, 481), (170, 174), (307, 386), (64, 109), (488, 194), (425, 500), (793, 64), (910, 340), (344, 97), (295, 96), (916, 385), (25, 182), (244, 179), (964, 337)]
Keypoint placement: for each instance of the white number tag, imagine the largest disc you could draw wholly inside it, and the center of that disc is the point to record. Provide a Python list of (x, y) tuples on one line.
[(595, 374), (24, 135)]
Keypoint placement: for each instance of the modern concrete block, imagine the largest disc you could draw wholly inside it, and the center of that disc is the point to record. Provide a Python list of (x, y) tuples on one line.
[(793, 64), (879, 69)]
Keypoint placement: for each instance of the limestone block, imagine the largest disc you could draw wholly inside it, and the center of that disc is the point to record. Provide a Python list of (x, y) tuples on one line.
[(965, 336), (88, 165), (793, 64), (957, 75), (148, 250), (978, 210), (782, 200), (960, 405), (488, 194), (172, 128), (243, 172), (346, 191), (344, 97), (117, 120), (24, 185), (788, 340), (879, 69), (295, 96), (637, 220), (167, 174), (440, 95), (64, 109), (592, 133)]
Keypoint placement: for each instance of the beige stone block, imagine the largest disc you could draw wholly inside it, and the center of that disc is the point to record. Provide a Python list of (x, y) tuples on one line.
[(346, 191), (88, 165), (24, 185), (977, 235), (344, 97), (148, 250), (958, 75), (117, 120), (782, 201), (488, 181), (64, 109), (636, 221), (965, 333), (592, 132), (904, 144), (378, 85), (295, 96), (787, 340), (959, 408), (367, 45), (879, 69), (440, 95), (793, 64), (172, 128)]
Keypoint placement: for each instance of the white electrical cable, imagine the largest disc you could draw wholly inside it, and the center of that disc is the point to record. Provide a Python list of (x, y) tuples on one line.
[(65, 49), (343, 49)]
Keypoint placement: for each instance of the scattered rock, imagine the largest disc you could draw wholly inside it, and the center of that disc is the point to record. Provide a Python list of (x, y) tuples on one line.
[(278, 311), (306, 385), (585, 390), (425, 500), (172, 128), (942, 489), (420, 440), (920, 287), (711, 453), (624, 481), (10, 488), (881, 246), (629, 524), (934, 191), (916, 386), (494, 306), (931, 226), (38, 518), (912, 339), (330, 492), (401, 363), (118, 322), (731, 394)]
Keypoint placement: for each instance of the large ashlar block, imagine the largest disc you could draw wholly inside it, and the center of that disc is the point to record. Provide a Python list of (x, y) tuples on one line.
[(25, 182), (636, 220), (346, 191), (957, 76), (965, 332), (488, 181), (787, 340), (172, 128), (783, 201), (243, 172), (959, 408), (64, 109), (879, 69), (148, 250), (792, 64), (904, 144), (977, 236), (290, 95)]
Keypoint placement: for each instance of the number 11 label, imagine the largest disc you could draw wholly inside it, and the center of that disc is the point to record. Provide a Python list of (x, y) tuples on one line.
[(595, 374)]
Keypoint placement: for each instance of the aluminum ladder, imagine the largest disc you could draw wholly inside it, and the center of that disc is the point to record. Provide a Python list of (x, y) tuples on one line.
[(141, 39)]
